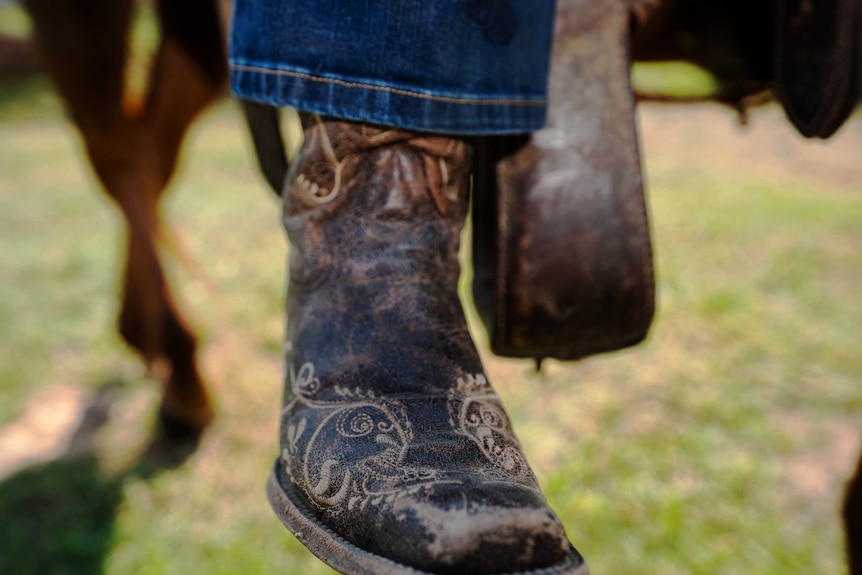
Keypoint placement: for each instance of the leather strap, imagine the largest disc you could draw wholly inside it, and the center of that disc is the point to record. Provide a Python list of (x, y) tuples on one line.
[(265, 128)]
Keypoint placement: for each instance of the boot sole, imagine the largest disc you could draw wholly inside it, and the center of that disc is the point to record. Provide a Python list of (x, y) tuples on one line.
[(349, 559)]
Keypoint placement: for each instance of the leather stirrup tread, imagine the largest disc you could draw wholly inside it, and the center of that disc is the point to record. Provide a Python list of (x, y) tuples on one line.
[(561, 246)]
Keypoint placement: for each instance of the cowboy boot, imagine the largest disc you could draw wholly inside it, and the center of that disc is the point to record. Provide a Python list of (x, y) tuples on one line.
[(397, 456)]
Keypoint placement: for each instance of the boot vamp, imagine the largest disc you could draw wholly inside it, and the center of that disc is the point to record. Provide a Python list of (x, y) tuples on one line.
[(427, 479)]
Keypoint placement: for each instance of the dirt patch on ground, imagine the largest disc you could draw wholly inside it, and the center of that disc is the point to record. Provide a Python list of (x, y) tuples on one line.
[(43, 430), (820, 472)]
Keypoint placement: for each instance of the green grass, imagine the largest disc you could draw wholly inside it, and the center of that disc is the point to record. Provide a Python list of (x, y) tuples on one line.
[(717, 447), (14, 21), (673, 79)]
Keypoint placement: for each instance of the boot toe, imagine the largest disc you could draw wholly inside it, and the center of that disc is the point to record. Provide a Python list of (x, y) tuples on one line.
[(467, 527)]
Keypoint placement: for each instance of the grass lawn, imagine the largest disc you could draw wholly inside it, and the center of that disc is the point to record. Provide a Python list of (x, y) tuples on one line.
[(719, 446)]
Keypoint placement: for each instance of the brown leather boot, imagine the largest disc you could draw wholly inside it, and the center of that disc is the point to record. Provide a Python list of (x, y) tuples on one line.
[(397, 456)]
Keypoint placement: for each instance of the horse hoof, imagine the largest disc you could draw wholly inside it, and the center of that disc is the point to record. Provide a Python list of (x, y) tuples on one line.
[(183, 428)]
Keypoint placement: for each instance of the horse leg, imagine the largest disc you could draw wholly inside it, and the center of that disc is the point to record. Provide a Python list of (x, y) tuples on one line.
[(188, 73), (149, 319), (84, 46), (190, 69), (853, 521)]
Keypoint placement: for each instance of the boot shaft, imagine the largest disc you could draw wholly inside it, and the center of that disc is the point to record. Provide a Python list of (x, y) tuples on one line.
[(368, 204), (374, 218)]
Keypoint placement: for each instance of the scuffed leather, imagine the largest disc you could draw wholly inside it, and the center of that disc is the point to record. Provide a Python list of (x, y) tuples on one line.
[(390, 428)]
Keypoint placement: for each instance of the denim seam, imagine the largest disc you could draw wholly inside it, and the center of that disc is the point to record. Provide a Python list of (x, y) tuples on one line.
[(399, 91)]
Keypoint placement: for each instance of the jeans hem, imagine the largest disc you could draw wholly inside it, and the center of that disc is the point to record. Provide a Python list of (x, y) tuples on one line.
[(403, 107)]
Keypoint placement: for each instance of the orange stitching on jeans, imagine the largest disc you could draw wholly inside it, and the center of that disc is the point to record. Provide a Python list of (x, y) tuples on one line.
[(490, 102)]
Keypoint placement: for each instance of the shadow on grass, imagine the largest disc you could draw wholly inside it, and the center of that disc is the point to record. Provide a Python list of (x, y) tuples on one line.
[(59, 517)]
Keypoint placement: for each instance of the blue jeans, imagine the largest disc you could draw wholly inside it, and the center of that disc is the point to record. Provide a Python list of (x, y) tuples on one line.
[(448, 66)]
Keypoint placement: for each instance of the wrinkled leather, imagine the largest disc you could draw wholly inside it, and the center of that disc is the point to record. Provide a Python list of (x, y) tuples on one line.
[(390, 430), (561, 248)]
